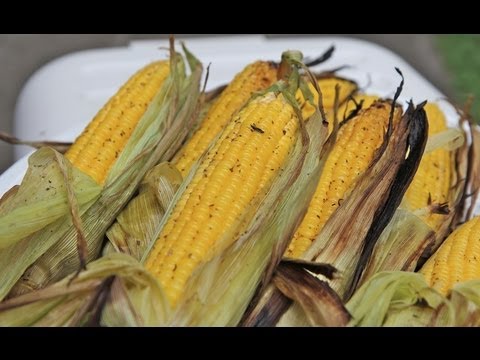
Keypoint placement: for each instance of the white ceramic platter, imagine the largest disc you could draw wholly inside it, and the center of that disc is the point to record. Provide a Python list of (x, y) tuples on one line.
[(61, 98)]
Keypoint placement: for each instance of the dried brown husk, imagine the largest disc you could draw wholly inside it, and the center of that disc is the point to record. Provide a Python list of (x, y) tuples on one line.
[(408, 241), (318, 302), (59, 146)]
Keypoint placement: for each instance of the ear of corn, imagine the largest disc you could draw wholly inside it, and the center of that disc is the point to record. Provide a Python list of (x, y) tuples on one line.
[(255, 77), (51, 252), (100, 144), (356, 146), (347, 238), (241, 164), (457, 259)]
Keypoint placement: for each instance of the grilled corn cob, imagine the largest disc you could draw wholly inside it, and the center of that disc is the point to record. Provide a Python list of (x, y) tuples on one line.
[(240, 165), (96, 149), (357, 143), (457, 259)]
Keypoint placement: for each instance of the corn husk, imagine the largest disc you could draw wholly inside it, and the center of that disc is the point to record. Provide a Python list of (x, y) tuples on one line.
[(397, 298), (73, 301), (408, 241), (80, 301), (42, 197), (52, 253), (367, 210), (138, 223)]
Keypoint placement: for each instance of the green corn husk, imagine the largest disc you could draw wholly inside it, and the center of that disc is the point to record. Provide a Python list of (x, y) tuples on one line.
[(51, 253), (72, 302), (80, 301), (43, 207), (138, 223), (397, 298)]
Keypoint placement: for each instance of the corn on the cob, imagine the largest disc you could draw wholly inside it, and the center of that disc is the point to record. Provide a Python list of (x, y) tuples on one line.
[(357, 143), (457, 259), (255, 77), (433, 180), (241, 164), (96, 149)]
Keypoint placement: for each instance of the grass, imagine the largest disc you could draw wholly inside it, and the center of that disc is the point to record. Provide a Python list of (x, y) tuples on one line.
[(461, 54)]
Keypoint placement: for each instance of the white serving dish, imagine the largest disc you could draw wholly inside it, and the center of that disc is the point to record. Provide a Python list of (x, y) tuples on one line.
[(61, 97)]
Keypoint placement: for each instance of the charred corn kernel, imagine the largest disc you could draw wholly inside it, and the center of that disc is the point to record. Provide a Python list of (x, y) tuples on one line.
[(241, 163), (457, 259), (96, 149), (432, 181), (255, 77), (357, 142), (327, 86)]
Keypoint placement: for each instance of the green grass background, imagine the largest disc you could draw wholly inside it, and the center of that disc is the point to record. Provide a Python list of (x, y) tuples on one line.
[(461, 55)]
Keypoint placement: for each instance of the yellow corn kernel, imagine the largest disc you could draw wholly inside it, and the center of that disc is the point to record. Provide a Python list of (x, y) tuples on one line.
[(223, 186), (457, 259), (255, 77), (357, 142), (432, 181), (96, 149)]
